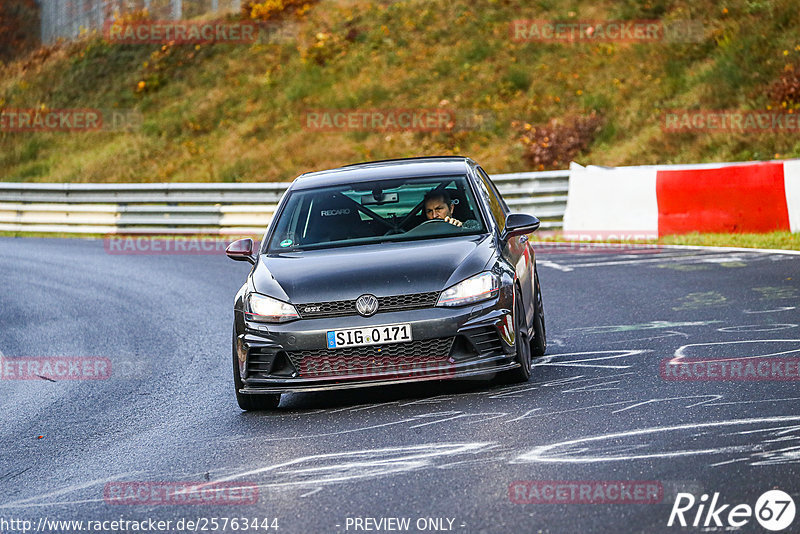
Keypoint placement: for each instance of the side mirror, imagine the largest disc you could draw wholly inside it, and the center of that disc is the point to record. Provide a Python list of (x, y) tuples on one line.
[(519, 224), (241, 250)]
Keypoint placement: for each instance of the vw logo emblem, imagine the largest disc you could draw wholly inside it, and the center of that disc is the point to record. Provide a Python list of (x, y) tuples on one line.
[(367, 305)]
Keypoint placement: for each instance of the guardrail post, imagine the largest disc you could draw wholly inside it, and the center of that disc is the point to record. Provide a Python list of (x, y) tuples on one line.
[(177, 9)]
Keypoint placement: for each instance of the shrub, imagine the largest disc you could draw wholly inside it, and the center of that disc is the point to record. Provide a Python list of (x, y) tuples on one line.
[(19, 27), (787, 88), (556, 143), (274, 9)]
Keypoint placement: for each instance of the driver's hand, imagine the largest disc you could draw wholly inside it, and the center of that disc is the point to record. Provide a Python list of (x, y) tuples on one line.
[(454, 222)]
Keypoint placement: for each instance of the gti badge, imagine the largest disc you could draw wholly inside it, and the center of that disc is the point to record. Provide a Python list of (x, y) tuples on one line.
[(367, 305)]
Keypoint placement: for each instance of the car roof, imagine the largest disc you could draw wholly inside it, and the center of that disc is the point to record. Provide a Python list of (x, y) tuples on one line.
[(385, 169)]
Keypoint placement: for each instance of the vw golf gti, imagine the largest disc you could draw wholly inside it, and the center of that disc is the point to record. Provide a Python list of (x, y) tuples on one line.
[(383, 273)]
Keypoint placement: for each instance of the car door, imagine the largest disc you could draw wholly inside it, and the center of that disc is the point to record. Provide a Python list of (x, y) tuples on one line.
[(517, 250)]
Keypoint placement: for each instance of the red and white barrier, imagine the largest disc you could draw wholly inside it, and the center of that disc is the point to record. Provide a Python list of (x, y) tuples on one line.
[(676, 199), (791, 184)]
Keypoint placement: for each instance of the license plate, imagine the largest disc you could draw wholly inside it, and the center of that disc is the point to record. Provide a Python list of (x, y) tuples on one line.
[(372, 335)]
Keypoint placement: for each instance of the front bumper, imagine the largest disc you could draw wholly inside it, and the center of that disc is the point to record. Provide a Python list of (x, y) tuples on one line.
[(447, 343)]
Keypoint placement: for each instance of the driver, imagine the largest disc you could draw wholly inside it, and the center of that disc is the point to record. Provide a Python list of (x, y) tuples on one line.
[(438, 205)]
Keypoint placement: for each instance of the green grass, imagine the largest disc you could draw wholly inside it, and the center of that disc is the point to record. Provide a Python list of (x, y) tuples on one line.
[(773, 240), (234, 112), (68, 235)]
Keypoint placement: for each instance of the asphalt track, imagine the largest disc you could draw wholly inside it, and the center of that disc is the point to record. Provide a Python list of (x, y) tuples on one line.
[(596, 409)]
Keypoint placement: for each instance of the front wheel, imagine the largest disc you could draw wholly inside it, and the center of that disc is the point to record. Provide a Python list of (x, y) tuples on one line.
[(247, 401), (523, 344)]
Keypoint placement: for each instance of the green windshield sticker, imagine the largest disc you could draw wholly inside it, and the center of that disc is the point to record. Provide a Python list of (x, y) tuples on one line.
[(286, 243)]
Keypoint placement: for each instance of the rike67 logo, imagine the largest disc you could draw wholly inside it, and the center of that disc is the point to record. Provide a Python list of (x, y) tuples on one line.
[(774, 510)]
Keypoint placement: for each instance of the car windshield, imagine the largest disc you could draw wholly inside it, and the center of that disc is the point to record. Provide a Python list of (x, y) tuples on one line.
[(374, 212)]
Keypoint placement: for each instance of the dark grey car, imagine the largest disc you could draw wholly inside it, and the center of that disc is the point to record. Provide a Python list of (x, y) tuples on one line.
[(355, 286)]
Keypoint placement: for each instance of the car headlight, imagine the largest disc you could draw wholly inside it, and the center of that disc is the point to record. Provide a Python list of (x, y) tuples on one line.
[(474, 289), (269, 310)]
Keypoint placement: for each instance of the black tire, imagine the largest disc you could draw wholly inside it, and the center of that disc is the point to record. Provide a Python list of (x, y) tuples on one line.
[(523, 356), (539, 341), (247, 401)]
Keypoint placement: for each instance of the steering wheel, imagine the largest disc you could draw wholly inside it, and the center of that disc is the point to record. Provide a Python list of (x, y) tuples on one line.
[(423, 223), (393, 231), (433, 227)]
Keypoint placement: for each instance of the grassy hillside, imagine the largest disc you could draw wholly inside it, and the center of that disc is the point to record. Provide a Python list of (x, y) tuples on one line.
[(231, 113)]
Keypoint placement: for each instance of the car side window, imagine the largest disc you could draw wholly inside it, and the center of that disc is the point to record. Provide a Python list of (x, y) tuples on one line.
[(497, 205)]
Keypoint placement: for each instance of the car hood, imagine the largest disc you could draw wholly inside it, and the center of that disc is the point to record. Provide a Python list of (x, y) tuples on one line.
[(382, 269)]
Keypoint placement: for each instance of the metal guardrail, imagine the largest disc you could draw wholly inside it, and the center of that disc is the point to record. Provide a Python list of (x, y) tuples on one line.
[(69, 18), (210, 208)]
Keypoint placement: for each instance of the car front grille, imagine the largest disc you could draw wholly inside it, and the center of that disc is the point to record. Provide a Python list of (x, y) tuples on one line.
[(340, 308), (397, 358)]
